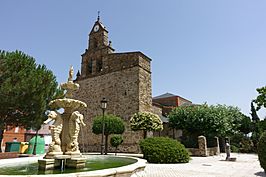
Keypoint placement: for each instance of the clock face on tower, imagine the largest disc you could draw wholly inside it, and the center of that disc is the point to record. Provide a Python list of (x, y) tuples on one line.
[(96, 28)]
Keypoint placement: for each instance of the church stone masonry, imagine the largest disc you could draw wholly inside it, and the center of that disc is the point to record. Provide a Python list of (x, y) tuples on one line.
[(124, 79)]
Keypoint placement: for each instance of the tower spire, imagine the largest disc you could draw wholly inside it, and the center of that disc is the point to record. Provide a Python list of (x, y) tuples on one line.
[(98, 18)]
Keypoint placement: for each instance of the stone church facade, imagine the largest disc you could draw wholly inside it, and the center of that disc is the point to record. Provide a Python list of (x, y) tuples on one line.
[(124, 79)]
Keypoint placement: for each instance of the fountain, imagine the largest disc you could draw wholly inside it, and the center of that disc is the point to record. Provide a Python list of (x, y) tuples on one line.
[(64, 157), (64, 149)]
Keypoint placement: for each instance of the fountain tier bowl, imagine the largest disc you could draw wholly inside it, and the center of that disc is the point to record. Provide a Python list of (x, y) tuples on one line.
[(96, 165), (67, 103)]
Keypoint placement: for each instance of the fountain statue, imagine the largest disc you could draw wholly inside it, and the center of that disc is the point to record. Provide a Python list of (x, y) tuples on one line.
[(56, 129), (64, 148)]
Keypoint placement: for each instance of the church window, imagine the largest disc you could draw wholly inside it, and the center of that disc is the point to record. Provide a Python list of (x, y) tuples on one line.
[(90, 66), (99, 65)]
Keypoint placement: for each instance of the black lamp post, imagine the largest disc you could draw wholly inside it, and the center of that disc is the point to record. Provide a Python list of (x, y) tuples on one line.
[(103, 106)]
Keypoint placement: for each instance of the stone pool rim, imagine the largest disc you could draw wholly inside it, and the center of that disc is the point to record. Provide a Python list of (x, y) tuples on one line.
[(136, 168)]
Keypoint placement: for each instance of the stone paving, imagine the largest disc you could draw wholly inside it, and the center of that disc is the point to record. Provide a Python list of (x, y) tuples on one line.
[(246, 165)]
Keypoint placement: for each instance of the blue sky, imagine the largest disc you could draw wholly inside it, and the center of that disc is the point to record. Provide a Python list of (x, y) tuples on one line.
[(203, 50)]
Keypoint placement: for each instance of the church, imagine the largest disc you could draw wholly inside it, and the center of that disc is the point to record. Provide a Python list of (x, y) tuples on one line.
[(124, 79)]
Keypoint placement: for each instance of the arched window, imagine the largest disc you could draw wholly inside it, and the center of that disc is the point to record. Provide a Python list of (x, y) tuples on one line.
[(90, 66), (99, 65)]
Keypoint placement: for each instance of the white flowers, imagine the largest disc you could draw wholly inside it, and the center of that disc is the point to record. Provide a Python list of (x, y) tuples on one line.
[(146, 121)]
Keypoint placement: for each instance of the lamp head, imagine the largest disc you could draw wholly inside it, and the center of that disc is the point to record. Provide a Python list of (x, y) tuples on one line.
[(103, 103)]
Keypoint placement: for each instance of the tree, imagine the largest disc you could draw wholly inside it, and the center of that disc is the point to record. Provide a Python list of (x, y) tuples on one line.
[(26, 89), (113, 125), (262, 125), (115, 141), (254, 115), (256, 122), (215, 120), (261, 98), (146, 121), (246, 125)]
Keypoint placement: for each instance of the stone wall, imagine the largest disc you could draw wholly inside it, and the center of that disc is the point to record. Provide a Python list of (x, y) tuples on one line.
[(112, 62), (156, 110), (167, 131), (127, 89), (203, 150)]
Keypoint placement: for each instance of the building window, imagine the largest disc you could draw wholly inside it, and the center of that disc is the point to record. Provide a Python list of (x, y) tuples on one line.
[(99, 65), (90, 66)]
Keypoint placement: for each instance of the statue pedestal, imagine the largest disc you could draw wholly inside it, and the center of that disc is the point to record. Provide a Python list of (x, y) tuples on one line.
[(76, 162), (76, 154), (47, 164), (52, 155), (61, 161)]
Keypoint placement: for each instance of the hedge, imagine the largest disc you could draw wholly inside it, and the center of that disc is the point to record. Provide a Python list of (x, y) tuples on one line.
[(163, 150)]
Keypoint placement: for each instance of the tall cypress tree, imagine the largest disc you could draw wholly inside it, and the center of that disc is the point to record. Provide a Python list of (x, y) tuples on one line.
[(256, 121), (255, 117)]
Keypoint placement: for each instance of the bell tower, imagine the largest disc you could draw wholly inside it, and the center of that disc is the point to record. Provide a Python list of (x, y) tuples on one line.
[(123, 78), (98, 47), (98, 37)]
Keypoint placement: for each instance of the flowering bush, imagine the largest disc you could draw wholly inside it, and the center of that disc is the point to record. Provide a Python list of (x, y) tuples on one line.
[(146, 121)]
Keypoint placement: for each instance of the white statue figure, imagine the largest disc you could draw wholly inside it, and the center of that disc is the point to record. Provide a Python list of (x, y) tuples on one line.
[(70, 74), (56, 130), (74, 127)]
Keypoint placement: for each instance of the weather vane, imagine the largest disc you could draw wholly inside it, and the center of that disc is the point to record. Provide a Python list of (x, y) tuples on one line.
[(98, 16)]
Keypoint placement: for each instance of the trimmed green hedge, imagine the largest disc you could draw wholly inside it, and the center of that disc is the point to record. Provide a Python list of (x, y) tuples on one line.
[(163, 150), (262, 151), (116, 140)]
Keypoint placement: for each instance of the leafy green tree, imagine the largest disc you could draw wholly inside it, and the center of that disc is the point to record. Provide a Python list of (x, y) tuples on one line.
[(26, 89), (113, 125), (115, 141), (246, 125), (215, 120), (146, 121), (258, 128), (262, 125), (261, 98)]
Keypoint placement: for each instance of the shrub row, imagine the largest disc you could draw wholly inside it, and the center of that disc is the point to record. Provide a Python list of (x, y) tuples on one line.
[(262, 151), (163, 150)]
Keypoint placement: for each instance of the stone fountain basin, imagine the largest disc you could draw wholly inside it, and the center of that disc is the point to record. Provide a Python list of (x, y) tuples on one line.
[(67, 103), (134, 170)]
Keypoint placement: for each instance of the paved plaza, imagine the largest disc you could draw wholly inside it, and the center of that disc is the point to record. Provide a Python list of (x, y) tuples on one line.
[(246, 165)]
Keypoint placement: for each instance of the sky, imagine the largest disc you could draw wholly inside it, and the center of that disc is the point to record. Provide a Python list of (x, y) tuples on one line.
[(203, 50)]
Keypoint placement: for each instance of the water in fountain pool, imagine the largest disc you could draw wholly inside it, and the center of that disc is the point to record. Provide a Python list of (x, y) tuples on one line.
[(93, 163)]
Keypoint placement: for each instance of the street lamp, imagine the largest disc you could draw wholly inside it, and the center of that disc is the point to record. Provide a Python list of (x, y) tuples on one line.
[(103, 106)]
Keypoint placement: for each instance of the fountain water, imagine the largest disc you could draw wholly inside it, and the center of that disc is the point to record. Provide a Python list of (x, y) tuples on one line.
[(64, 149)]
